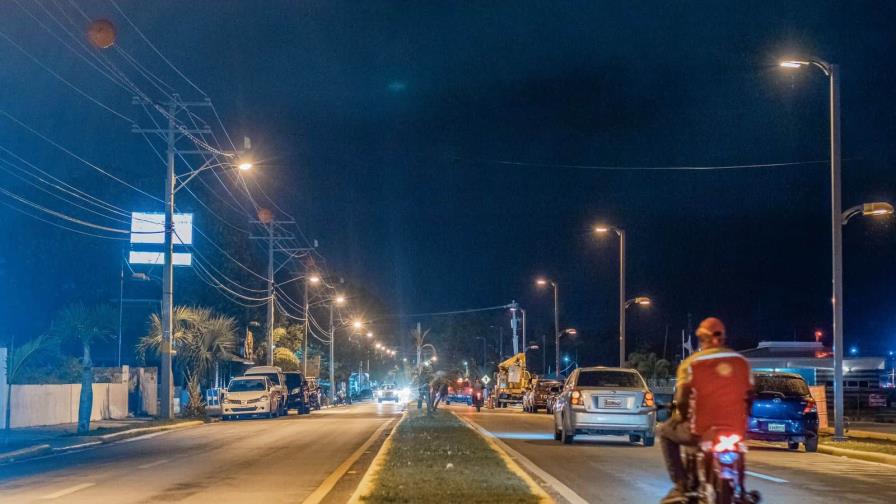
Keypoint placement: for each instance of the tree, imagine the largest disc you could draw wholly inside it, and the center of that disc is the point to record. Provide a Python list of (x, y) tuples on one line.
[(202, 339), (87, 325), (286, 360), (649, 365), (16, 361)]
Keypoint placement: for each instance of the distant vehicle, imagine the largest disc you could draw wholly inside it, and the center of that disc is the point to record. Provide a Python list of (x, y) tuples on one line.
[(298, 397), (275, 374), (536, 397), (460, 392), (511, 381), (605, 401), (362, 394), (251, 395), (387, 393), (784, 410)]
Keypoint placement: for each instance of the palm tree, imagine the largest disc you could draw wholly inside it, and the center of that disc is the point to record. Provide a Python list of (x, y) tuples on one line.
[(419, 336), (650, 365), (202, 339), (88, 325), (16, 360)]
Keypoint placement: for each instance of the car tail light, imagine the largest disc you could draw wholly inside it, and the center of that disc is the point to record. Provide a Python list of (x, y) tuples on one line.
[(810, 407), (576, 398), (648, 400)]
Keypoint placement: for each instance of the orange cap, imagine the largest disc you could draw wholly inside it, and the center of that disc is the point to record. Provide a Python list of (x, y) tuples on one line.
[(710, 328)]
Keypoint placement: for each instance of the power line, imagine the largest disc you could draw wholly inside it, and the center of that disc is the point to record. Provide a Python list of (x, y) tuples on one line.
[(638, 168), (36, 217)]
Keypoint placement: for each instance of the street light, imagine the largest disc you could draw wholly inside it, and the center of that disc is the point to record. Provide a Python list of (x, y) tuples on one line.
[(544, 282), (622, 305), (641, 300), (245, 166), (369, 334), (357, 324), (875, 209), (337, 300)]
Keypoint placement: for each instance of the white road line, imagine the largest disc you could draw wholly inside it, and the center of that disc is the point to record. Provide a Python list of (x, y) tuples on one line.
[(328, 484), (77, 446), (765, 477), (145, 436), (66, 491), (153, 464), (555, 484)]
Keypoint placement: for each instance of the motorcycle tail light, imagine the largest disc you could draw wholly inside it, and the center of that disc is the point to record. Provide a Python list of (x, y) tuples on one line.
[(648, 400), (576, 398), (810, 407), (726, 443)]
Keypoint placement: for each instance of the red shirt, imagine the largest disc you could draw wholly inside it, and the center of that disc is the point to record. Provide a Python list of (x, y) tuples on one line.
[(720, 383)]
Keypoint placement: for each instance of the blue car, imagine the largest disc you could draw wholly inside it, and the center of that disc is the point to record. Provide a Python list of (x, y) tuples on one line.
[(784, 411)]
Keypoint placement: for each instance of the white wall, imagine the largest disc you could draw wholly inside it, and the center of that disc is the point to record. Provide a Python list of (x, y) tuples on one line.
[(56, 404)]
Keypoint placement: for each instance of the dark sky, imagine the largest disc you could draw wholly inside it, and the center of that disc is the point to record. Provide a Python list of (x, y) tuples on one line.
[(379, 122)]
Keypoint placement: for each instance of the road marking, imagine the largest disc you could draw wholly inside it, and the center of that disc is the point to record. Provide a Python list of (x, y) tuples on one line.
[(153, 464), (328, 484), (555, 484), (765, 477), (145, 436), (66, 491), (77, 446)]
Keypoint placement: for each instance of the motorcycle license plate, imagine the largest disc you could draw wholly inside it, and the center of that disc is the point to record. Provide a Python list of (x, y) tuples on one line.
[(777, 427), (612, 403)]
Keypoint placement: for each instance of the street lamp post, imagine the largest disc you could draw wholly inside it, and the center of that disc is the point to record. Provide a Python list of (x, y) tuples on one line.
[(544, 282), (338, 300)]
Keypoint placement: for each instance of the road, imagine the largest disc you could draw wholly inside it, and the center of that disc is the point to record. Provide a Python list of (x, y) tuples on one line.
[(610, 470), (257, 460)]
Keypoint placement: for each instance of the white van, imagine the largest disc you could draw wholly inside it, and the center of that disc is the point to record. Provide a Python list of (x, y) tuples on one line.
[(275, 374)]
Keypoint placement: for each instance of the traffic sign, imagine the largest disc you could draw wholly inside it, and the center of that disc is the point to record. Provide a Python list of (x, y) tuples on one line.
[(485, 379)]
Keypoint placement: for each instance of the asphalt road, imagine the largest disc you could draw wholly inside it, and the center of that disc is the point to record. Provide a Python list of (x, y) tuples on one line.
[(611, 470), (257, 460)]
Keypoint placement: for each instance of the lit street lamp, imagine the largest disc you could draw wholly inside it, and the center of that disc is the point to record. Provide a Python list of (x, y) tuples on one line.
[(543, 282), (623, 304), (832, 72)]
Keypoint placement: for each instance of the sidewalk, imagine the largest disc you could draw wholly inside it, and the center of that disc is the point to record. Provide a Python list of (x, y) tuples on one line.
[(868, 430), (65, 435)]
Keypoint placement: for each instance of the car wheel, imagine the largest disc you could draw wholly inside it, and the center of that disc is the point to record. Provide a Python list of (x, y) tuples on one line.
[(557, 433), (793, 445), (649, 440), (811, 443), (634, 438)]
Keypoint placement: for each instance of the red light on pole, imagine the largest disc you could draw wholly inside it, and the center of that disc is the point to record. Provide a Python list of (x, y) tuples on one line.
[(818, 335)]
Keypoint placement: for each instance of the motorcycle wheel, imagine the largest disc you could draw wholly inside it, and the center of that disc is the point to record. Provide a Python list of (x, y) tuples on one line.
[(478, 408)]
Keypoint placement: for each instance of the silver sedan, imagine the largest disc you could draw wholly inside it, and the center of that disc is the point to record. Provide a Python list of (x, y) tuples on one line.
[(605, 401)]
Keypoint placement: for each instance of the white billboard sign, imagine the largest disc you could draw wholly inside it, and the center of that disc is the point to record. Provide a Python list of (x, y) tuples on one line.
[(149, 227)]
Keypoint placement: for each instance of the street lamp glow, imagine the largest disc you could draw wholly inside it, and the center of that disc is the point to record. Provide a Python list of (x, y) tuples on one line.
[(369, 334), (314, 279), (877, 208), (245, 166), (571, 331), (541, 281), (601, 229), (357, 324), (792, 64), (434, 358), (340, 300)]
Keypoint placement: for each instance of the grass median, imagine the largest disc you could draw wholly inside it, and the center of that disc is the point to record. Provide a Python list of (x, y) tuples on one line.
[(439, 459)]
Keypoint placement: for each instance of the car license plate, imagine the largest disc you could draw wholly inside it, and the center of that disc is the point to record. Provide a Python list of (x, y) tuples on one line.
[(777, 427), (612, 403)]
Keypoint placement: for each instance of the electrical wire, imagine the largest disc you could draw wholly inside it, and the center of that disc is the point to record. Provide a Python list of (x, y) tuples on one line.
[(60, 215), (37, 217), (639, 168)]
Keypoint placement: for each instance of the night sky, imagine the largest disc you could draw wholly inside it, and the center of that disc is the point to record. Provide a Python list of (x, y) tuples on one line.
[(385, 128)]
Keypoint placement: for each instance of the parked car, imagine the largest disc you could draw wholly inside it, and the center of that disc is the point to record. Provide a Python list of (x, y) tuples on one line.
[(784, 410), (605, 401), (536, 397), (275, 374), (251, 395), (387, 393), (460, 392), (298, 396)]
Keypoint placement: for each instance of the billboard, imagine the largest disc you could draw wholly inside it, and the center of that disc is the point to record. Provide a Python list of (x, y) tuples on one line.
[(149, 227), (148, 233)]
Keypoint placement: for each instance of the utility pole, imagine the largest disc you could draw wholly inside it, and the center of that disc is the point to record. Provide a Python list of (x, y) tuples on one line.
[(307, 333), (270, 319), (168, 272), (621, 233), (332, 350)]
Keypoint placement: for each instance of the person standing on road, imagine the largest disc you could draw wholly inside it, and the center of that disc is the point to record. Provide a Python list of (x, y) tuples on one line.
[(723, 386)]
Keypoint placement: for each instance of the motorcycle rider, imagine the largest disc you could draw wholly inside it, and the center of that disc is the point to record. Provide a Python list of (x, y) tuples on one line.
[(477, 391), (715, 382)]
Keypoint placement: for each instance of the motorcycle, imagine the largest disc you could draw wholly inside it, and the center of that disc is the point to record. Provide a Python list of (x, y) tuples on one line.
[(716, 470), (477, 400)]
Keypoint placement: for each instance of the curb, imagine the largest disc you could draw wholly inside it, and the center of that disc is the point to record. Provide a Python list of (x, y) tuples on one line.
[(115, 436), (534, 487), (366, 484), (24, 453), (880, 458), (860, 434)]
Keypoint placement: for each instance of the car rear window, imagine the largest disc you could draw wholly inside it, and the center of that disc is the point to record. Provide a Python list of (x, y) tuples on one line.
[(543, 386), (293, 380), (622, 379), (787, 385)]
